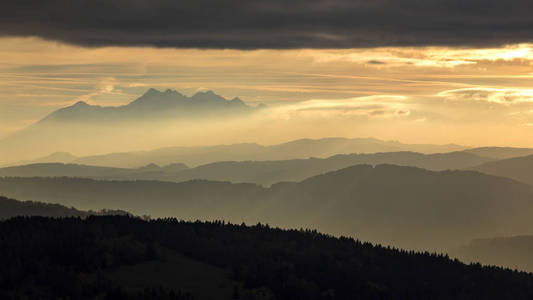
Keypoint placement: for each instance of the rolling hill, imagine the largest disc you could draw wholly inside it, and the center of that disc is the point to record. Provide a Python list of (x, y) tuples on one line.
[(270, 172), (401, 206), (195, 156), (298, 149), (10, 208), (498, 153), (62, 170), (260, 172), (517, 168)]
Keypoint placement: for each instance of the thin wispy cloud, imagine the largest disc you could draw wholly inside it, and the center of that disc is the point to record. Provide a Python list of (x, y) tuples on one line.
[(382, 106), (506, 96)]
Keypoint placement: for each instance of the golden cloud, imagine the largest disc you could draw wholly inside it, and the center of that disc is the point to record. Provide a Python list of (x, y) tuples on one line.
[(383, 106), (506, 96)]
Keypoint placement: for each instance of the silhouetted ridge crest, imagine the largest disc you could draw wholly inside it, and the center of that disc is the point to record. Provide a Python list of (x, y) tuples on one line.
[(517, 168), (268, 172), (259, 260), (10, 208), (80, 104), (153, 103)]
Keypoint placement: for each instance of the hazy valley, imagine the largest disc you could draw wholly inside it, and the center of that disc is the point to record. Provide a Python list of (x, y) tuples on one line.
[(474, 204)]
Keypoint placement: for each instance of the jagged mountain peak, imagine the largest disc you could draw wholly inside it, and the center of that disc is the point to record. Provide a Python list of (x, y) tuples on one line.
[(81, 104), (153, 103), (207, 95), (173, 96), (155, 98), (208, 92), (150, 167), (236, 100), (156, 92)]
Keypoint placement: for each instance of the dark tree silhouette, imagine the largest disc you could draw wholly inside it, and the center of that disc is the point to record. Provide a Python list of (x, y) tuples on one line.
[(49, 258)]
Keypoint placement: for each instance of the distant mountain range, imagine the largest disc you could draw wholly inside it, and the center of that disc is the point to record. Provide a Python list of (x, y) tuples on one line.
[(195, 156), (401, 206), (260, 172), (82, 125), (266, 172), (270, 172), (153, 104)]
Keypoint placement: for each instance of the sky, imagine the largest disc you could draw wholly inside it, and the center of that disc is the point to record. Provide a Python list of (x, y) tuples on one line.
[(415, 71)]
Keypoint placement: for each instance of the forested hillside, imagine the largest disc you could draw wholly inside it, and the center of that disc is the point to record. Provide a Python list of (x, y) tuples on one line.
[(81, 259)]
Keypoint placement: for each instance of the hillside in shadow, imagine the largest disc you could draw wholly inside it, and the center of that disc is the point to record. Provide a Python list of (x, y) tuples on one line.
[(100, 257), (260, 172), (10, 208), (517, 168), (401, 206)]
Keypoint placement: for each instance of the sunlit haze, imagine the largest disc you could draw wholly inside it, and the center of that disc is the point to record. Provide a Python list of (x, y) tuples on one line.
[(480, 96), (266, 149)]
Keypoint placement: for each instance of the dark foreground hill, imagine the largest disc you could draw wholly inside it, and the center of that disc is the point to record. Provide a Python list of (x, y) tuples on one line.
[(260, 172), (10, 208), (128, 258), (402, 206)]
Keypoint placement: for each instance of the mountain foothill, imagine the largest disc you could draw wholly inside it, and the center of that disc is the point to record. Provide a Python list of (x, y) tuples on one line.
[(381, 206)]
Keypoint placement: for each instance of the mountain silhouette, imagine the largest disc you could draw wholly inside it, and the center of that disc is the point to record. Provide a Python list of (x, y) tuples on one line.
[(518, 168), (501, 152), (63, 170), (410, 207), (260, 172), (401, 206), (153, 104), (83, 127), (270, 172), (56, 157), (61, 157), (297, 149), (10, 208)]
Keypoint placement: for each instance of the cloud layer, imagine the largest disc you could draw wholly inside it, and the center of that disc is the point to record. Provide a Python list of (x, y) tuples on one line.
[(274, 24), (492, 95)]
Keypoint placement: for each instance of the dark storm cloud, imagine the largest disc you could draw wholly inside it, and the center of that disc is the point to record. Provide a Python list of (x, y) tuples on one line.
[(278, 24)]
